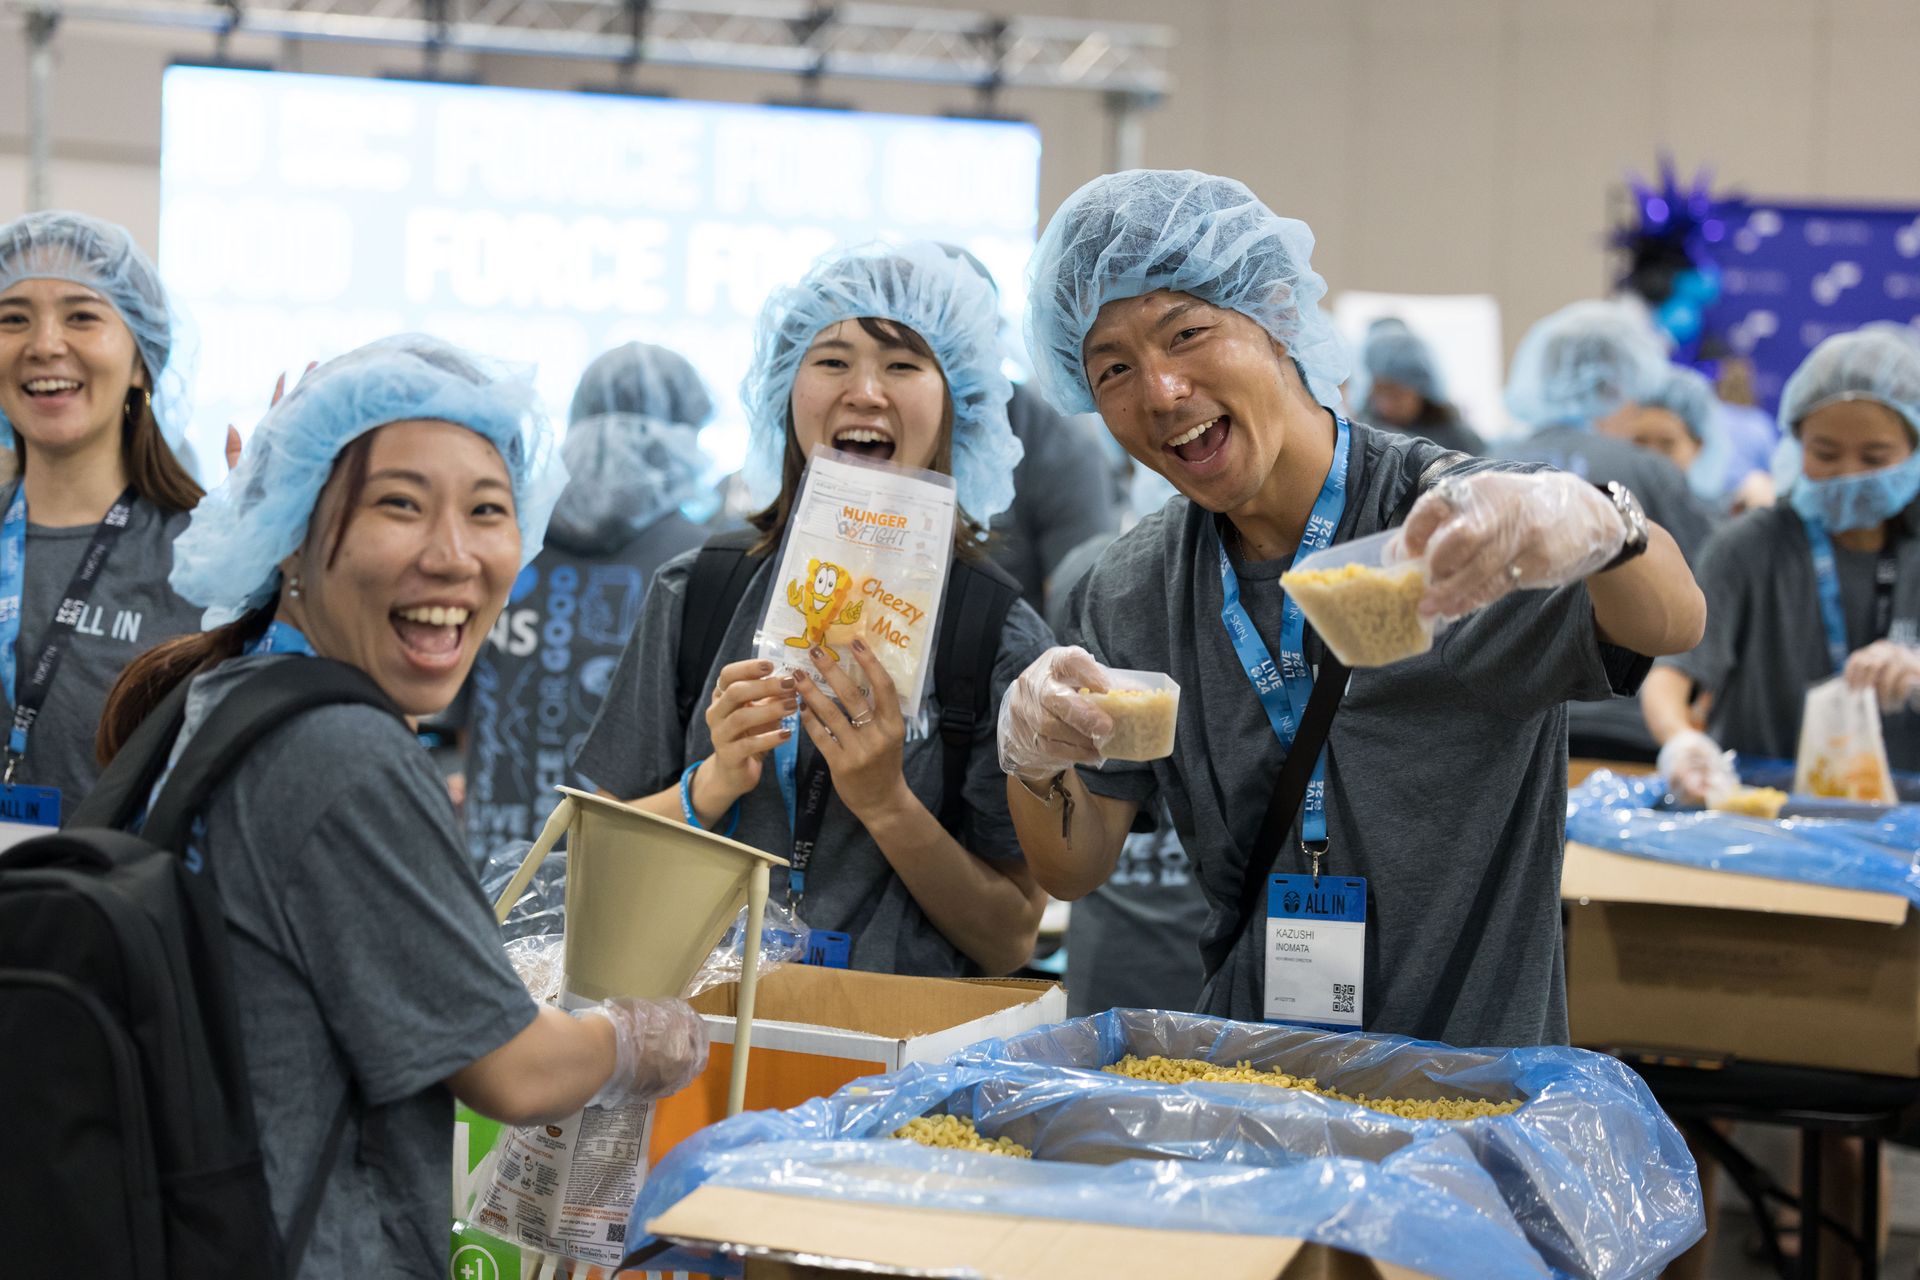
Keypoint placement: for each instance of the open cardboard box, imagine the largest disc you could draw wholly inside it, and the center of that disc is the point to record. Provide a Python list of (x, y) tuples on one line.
[(787, 1237), (1718, 965), (816, 1029)]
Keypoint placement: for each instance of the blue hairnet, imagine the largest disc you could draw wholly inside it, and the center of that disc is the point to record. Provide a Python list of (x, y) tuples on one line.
[(627, 472), (1878, 362), (939, 297), (1392, 352), (229, 555), (102, 256), (640, 378), (1581, 363), (1128, 234), (1688, 396)]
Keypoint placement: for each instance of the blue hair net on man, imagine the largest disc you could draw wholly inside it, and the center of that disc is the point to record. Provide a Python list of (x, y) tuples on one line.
[(1582, 363), (101, 256), (939, 297), (641, 378), (1392, 352), (1127, 234), (229, 556)]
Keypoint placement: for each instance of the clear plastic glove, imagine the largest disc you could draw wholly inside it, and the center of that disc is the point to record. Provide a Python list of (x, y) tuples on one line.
[(1891, 670), (1492, 533), (1695, 768), (1045, 725), (661, 1045)]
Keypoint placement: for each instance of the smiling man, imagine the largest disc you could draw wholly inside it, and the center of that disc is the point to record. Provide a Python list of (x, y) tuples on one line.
[(1187, 314)]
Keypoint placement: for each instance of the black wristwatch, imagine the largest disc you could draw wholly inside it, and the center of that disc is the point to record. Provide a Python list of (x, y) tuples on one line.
[(1632, 517)]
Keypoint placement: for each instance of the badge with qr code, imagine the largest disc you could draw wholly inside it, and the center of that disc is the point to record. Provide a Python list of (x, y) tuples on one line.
[(1316, 954)]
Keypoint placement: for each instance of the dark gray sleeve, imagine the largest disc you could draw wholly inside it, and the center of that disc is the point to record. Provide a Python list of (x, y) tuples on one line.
[(1534, 649), (405, 956), (637, 745), (1104, 638), (1070, 469), (1722, 574), (990, 833)]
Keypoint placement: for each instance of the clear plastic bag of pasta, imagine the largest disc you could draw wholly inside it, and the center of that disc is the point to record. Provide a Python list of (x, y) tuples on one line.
[(1842, 753), (1363, 598), (865, 556)]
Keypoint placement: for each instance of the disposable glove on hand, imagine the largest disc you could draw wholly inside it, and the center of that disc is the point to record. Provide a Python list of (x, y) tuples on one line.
[(1492, 533), (1891, 670), (1045, 725), (1695, 768), (661, 1045)]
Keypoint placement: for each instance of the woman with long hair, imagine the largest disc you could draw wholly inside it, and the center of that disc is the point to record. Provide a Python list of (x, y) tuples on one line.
[(93, 394), (891, 355)]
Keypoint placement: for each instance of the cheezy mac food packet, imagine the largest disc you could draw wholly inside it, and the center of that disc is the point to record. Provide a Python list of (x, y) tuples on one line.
[(865, 554)]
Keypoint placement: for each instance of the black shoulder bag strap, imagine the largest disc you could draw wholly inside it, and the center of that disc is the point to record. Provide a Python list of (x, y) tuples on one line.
[(718, 580), (1289, 793), (973, 614)]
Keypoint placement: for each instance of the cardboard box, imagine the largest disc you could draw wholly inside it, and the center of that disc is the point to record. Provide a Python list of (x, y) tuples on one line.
[(1717, 965), (816, 1029), (790, 1237)]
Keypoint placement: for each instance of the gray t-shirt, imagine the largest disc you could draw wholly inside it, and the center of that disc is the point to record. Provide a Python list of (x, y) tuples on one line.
[(131, 609), (638, 747), (1134, 943), (1614, 729), (1765, 644), (1446, 774), (1064, 492), (363, 956)]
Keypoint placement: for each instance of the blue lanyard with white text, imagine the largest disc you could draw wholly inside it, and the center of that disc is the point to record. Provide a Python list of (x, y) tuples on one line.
[(1826, 578), (282, 637), (1285, 689), (806, 807)]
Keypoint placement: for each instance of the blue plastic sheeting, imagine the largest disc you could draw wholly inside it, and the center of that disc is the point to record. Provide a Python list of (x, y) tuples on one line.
[(1757, 771), (1591, 1168), (1628, 815), (1426, 1205)]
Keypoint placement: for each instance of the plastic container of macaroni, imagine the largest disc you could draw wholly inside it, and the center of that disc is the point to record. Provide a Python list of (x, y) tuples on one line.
[(1145, 706), (1363, 598)]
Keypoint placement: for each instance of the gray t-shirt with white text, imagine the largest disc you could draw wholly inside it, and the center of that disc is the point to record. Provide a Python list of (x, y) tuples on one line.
[(1445, 778)]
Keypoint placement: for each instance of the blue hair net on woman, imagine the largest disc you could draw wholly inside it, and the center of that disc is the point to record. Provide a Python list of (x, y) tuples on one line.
[(643, 379), (1127, 234), (937, 296), (1582, 363), (228, 559), (1878, 362), (101, 256), (1688, 396), (1392, 352)]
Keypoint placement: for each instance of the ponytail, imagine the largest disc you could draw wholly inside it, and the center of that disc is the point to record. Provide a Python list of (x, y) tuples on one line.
[(147, 681)]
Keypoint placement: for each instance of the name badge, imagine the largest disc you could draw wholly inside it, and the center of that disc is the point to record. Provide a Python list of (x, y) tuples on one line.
[(1316, 950), (26, 812), (828, 949)]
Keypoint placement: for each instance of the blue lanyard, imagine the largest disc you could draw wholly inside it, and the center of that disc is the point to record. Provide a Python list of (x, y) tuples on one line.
[(282, 637), (13, 573), (1826, 577), (1285, 689), (806, 807)]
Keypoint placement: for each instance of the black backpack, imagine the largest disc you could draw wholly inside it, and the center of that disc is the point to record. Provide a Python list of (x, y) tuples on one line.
[(972, 613), (132, 1146)]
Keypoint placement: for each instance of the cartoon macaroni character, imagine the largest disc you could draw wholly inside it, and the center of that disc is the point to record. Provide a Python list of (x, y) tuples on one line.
[(823, 604)]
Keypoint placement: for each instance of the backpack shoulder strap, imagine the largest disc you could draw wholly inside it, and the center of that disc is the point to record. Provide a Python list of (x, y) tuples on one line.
[(719, 579), (974, 612), (127, 781), (261, 703)]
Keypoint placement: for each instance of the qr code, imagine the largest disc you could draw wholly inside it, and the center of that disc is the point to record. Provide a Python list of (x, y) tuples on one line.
[(1343, 997), (616, 1233)]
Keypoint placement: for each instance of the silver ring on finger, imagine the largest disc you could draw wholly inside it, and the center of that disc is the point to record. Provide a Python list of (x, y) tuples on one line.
[(862, 720)]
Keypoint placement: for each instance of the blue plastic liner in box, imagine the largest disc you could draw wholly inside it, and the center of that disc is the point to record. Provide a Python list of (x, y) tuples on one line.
[(1591, 1168), (1423, 1204), (1630, 815)]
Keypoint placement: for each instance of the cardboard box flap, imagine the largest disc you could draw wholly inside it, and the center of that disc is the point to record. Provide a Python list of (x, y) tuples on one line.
[(1598, 875), (892, 1240), (878, 1004)]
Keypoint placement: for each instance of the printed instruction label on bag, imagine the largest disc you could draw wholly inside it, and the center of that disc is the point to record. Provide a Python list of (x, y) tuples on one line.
[(1316, 954)]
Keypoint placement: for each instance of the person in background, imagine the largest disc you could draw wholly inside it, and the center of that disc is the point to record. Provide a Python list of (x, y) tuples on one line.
[(1398, 386), (1825, 583), (1752, 437), (1187, 313), (1576, 377), (1133, 943), (93, 389), (889, 355), (1677, 419), (633, 453), (378, 518)]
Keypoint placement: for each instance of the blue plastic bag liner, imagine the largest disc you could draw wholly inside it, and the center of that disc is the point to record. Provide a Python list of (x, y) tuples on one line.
[(1761, 771), (1632, 815), (1422, 1204), (1590, 1167)]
